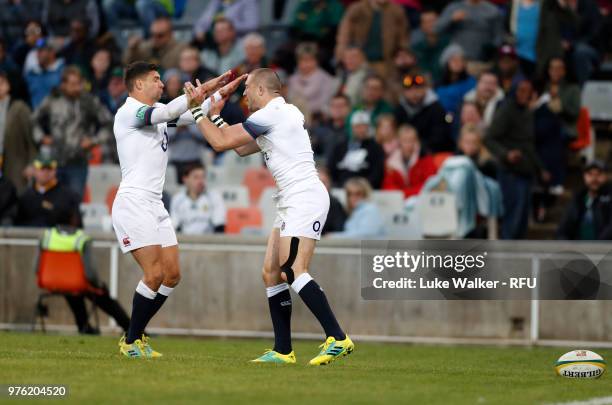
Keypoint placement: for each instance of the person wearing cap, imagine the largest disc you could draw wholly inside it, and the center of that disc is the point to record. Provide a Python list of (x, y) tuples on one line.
[(47, 202), (455, 81), (359, 156), (589, 214), (44, 73), (17, 147), (419, 107), (508, 69)]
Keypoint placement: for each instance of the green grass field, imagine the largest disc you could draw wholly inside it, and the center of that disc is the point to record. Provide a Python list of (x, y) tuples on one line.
[(217, 371)]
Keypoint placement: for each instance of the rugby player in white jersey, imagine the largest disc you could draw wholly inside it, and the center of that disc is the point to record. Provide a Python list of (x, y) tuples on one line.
[(141, 222), (276, 129)]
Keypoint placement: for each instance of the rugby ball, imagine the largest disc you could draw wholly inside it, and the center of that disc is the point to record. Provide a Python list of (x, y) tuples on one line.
[(580, 364)]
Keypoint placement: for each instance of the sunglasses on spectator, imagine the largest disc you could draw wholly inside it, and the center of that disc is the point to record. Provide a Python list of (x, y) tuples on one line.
[(410, 81), (159, 34), (354, 193)]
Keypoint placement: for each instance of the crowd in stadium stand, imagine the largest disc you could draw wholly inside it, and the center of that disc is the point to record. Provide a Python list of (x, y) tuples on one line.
[(405, 95)]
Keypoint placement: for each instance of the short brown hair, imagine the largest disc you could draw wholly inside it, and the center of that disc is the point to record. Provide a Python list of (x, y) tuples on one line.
[(71, 71), (136, 70)]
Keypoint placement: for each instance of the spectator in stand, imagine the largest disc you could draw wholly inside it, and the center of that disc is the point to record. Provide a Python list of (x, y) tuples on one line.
[(191, 67), (379, 27), (316, 20), (197, 210), (360, 156), (310, 86), (8, 201), (243, 15), (419, 107), (336, 217), (353, 73), (14, 17), (19, 90), (428, 45), (45, 74), (70, 122), (475, 25), (524, 27), (405, 63), (161, 49), (143, 11), (508, 69), (48, 202), (570, 28), (20, 51), (563, 97), (372, 98), (470, 145), (330, 131), (116, 93), (57, 15), (487, 95), (79, 49), (456, 82), (365, 220), (99, 72), (470, 114), (386, 134), (510, 138), (17, 147), (254, 53), (408, 167), (227, 52), (589, 214)]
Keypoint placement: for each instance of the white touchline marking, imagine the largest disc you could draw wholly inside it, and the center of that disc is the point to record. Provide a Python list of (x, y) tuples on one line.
[(592, 401)]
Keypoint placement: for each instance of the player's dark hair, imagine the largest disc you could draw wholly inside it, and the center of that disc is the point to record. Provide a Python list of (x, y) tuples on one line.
[(191, 167), (136, 70)]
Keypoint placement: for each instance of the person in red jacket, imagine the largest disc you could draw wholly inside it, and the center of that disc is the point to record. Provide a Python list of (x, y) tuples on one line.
[(407, 169)]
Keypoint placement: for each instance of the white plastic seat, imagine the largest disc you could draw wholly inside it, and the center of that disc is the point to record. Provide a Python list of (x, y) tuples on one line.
[(234, 196), (438, 212)]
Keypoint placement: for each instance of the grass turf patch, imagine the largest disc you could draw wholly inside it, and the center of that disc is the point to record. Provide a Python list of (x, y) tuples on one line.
[(217, 370)]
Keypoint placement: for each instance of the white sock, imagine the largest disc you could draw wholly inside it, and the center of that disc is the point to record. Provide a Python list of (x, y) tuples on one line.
[(163, 290), (145, 291), (300, 282), (272, 291)]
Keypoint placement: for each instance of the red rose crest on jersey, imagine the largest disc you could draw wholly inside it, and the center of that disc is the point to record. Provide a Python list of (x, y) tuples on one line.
[(126, 241)]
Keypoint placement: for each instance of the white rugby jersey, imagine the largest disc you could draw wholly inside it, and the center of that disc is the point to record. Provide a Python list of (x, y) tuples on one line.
[(199, 216), (142, 148), (278, 129)]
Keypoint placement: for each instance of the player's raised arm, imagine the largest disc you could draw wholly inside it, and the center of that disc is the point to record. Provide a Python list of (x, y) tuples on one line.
[(220, 137)]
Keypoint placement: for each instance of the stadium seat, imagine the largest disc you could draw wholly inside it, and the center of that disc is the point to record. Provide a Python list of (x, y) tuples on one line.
[(102, 177), (402, 224), (111, 193), (583, 128), (215, 177), (239, 218), (171, 184), (340, 195), (438, 212), (388, 201), (596, 96), (60, 273), (234, 196), (267, 205), (86, 194), (256, 180), (95, 156), (96, 217)]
